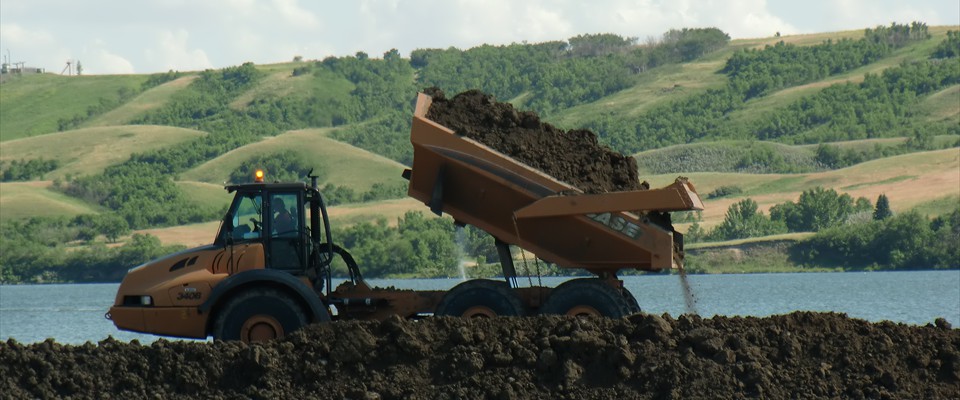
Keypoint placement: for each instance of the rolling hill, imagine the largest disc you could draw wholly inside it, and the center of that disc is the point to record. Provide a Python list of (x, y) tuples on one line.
[(142, 103), (909, 181), (20, 200), (88, 151), (33, 105), (337, 162)]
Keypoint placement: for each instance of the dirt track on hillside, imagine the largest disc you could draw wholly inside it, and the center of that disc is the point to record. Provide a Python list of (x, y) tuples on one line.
[(800, 355)]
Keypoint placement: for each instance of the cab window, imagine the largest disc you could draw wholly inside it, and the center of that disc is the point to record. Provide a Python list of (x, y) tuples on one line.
[(285, 215), (247, 217)]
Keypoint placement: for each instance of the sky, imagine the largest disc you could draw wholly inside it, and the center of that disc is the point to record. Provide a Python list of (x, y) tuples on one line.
[(146, 36)]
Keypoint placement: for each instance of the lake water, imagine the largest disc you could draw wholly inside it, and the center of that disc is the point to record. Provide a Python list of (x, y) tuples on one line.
[(74, 313)]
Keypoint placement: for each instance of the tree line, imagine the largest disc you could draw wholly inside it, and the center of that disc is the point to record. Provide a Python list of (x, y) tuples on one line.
[(50, 250), (849, 233)]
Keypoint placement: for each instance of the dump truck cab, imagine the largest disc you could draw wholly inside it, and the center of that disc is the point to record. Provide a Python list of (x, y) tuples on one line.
[(267, 273), (271, 216), (269, 243)]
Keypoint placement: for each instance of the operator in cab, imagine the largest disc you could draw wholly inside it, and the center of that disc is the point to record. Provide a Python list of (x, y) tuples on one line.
[(284, 223)]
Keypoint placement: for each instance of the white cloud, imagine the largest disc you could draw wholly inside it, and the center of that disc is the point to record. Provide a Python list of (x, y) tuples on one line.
[(105, 62), (17, 35), (293, 14), (172, 51)]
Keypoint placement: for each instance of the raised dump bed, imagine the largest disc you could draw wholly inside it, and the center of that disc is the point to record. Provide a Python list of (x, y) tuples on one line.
[(521, 206)]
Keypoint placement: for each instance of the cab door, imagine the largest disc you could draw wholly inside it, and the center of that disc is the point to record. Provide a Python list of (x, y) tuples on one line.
[(241, 234), (285, 231)]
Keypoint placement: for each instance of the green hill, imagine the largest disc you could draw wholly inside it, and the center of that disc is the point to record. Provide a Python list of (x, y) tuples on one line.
[(942, 106), (142, 103), (35, 199), (33, 104), (89, 150), (925, 180), (339, 163), (293, 106), (281, 83)]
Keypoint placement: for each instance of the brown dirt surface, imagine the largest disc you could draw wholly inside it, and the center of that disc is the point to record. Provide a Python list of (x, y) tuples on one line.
[(799, 355), (574, 156)]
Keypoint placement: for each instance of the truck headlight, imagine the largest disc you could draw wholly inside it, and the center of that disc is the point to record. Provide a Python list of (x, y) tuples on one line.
[(137, 301)]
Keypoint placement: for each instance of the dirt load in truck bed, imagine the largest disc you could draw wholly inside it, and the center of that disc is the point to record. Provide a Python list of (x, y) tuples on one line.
[(800, 355), (574, 156)]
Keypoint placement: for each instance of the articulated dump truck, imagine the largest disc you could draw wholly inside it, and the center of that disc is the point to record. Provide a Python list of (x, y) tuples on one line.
[(268, 271)]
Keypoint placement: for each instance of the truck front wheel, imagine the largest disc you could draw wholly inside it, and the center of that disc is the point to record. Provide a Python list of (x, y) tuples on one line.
[(258, 315)]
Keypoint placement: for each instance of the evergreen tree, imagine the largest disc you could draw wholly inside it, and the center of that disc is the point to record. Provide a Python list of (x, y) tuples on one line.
[(882, 211)]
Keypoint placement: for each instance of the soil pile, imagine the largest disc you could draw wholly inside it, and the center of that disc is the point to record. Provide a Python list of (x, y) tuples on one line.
[(800, 355), (573, 156)]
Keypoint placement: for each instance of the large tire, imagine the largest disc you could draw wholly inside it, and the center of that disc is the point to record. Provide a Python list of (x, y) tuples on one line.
[(631, 301), (481, 298), (257, 315), (588, 297)]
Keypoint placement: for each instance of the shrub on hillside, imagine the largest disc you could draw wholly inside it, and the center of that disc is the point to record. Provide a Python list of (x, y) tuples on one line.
[(724, 191), (26, 170), (949, 47), (744, 220), (817, 209)]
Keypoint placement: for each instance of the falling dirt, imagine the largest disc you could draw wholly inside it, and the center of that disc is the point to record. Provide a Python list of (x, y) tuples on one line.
[(574, 156), (800, 355), (689, 298)]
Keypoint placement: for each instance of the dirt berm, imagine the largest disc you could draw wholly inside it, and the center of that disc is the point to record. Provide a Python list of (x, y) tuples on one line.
[(800, 355)]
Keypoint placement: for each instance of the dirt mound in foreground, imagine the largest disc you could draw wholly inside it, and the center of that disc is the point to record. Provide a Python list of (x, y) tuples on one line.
[(574, 156), (800, 355)]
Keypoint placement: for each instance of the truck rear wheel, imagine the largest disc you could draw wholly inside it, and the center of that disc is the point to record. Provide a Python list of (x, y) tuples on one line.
[(589, 297), (258, 315), (481, 298)]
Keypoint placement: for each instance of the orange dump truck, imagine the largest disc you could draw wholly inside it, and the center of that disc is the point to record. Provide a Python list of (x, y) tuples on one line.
[(268, 272)]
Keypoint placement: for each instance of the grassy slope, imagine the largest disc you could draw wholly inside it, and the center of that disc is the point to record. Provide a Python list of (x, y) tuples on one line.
[(280, 83), (207, 194), (340, 216), (342, 164), (33, 104), (942, 106), (28, 199), (909, 181), (90, 150), (150, 100)]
